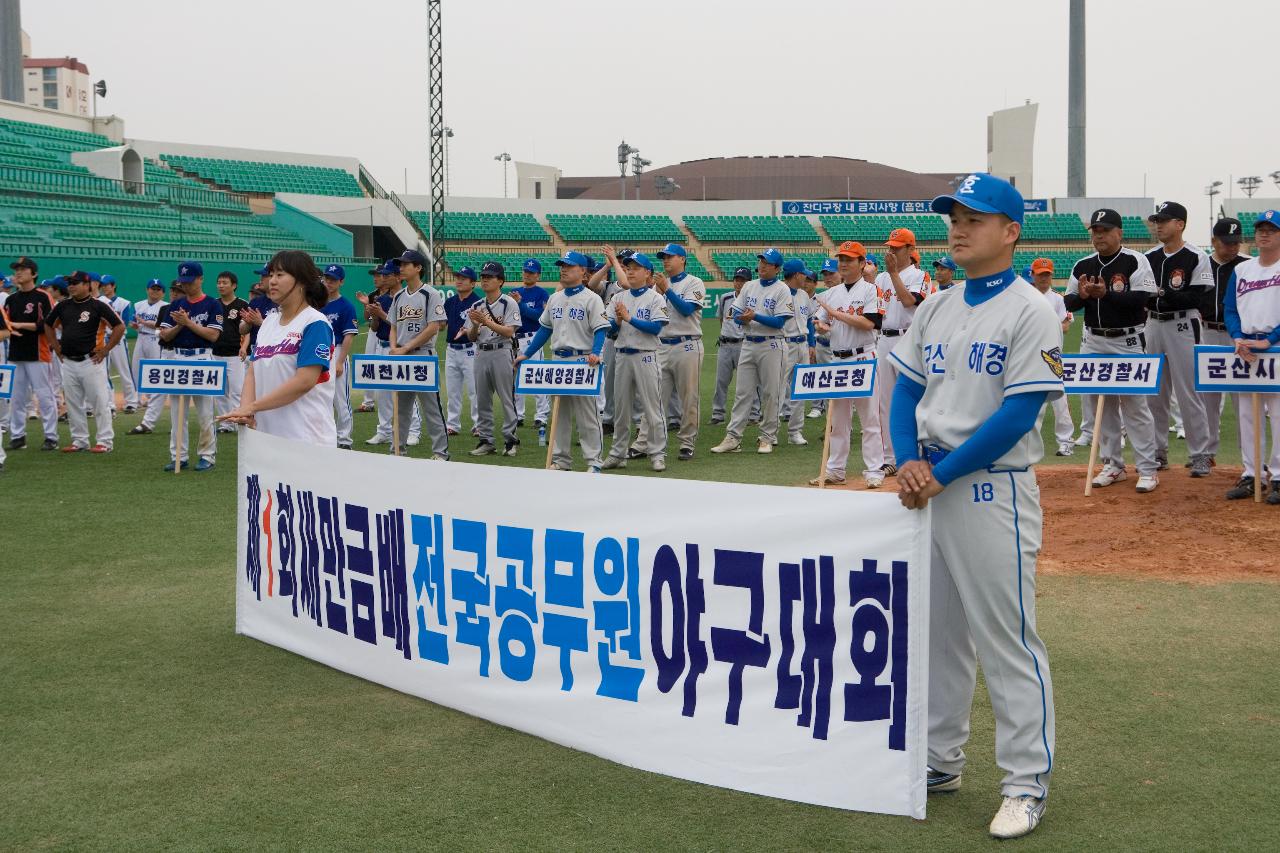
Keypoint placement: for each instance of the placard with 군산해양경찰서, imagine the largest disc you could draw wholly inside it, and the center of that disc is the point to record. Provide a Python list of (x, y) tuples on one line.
[(187, 377), (834, 380), (415, 373), (571, 378), (1090, 373), (1220, 369)]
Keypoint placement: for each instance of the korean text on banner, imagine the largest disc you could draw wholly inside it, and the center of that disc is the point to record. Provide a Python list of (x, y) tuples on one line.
[(195, 377)]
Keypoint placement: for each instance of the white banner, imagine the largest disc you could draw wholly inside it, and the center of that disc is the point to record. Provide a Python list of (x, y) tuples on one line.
[(1091, 373), (833, 380), (783, 654), (1220, 369), (573, 378), (193, 377), (395, 373), (6, 380)]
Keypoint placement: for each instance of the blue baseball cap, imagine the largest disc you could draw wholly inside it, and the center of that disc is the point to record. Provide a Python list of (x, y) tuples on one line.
[(495, 269), (411, 256), (1268, 217), (335, 271), (873, 259), (93, 276), (60, 282), (1026, 273), (743, 273), (946, 263), (573, 259), (189, 271), (793, 266), (467, 272), (262, 270), (640, 259), (532, 265), (985, 194), (771, 256), (673, 249), (108, 279), (155, 282), (830, 265)]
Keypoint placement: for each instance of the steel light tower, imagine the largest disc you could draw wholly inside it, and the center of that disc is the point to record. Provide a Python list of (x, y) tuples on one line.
[(435, 111), (1250, 184), (1076, 101), (1211, 191), (624, 151), (504, 158)]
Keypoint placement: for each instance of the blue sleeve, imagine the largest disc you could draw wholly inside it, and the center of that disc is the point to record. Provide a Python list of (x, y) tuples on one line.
[(348, 320), (1230, 314), (681, 304), (771, 322), (316, 346), (597, 343), (907, 394), (529, 310), (813, 337), (652, 327), (1014, 419), (540, 337), (129, 314)]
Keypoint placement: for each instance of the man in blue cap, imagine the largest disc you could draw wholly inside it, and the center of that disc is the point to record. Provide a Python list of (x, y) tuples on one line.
[(460, 351), (760, 311), (259, 307), (341, 315), (606, 286), (801, 339), (386, 279), (975, 369), (146, 317), (729, 347), (192, 325), (118, 357), (370, 339), (532, 300), (680, 357), (944, 272)]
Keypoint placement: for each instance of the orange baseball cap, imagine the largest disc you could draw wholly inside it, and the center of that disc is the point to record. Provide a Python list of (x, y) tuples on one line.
[(851, 248), (900, 237), (1040, 265), (915, 257)]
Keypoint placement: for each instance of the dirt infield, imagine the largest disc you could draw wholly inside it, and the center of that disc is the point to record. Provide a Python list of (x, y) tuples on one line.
[(1185, 530)]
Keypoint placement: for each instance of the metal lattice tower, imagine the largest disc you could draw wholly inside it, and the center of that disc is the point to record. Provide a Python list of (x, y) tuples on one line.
[(435, 88)]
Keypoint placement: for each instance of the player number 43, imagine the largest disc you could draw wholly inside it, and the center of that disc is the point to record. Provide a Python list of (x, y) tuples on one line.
[(983, 493)]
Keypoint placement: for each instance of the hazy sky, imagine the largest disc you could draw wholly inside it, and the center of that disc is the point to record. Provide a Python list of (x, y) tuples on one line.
[(1171, 85)]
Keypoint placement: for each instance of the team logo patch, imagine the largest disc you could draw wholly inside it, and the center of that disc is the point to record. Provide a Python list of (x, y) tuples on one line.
[(1118, 283), (84, 317), (323, 351), (1053, 358), (1176, 279)]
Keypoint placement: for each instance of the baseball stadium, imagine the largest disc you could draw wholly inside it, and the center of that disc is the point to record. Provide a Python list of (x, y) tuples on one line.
[(542, 514)]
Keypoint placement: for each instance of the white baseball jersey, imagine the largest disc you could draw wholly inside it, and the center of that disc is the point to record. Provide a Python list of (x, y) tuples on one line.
[(771, 300), (144, 311), (971, 358), (896, 315), (644, 303), (691, 289), (573, 315), (279, 351), (1059, 307), (1257, 296), (505, 312), (804, 307), (728, 328), (413, 312), (860, 298)]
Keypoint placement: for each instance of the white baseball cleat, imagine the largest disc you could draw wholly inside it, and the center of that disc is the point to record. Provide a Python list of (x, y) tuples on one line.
[(1147, 484), (1017, 816), (1109, 475), (1084, 440), (814, 413), (797, 439), (729, 445), (832, 480), (765, 447), (378, 439), (1066, 448), (414, 440)]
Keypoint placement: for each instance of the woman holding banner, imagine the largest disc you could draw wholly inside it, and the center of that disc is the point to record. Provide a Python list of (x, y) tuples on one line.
[(287, 392)]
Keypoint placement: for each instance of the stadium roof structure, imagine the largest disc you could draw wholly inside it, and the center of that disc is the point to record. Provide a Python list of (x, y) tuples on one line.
[(747, 178)]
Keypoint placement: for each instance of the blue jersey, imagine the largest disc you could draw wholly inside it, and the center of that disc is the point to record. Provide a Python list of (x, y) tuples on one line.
[(384, 327), (207, 312), (455, 309), (532, 301), (264, 306), (342, 317)]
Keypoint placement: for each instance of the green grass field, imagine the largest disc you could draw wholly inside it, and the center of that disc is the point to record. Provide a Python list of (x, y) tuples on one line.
[(133, 717)]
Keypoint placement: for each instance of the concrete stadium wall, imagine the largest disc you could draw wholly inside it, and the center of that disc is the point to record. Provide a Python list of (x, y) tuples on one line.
[(153, 148), (111, 127), (336, 240)]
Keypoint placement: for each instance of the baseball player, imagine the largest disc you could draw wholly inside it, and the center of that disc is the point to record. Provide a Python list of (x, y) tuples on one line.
[(417, 316), (157, 404), (6, 287), (902, 287), (29, 353), (638, 314), (1063, 427), (574, 323), (680, 357), (975, 370), (729, 347), (118, 356), (146, 314), (761, 310), (944, 271), (1252, 310), (801, 340), (606, 286), (830, 274), (229, 347), (850, 314), (341, 315), (1112, 286), (4, 340), (1183, 278), (370, 339), (460, 351), (79, 321), (532, 300), (389, 284), (1222, 263), (491, 327), (193, 323)]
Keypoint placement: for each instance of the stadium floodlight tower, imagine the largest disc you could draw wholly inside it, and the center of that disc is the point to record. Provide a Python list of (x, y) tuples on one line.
[(448, 134), (436, 140), (1075, 100), (665, 187), (504, 158), (624, 151), (1250, 184), (1211, 191), (637, 166), (1275, 176)]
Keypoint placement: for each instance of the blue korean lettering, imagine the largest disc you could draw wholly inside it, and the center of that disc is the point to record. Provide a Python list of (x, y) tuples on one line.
[(1217, 367), (391, 580), (360, 562), (429, 577), (334, 562), (619, 621), (309, 562), (367, 369), (516, 599), (688, 603), (740, 649), (253, 551), (471, 588), (810, 690), (564, 590), (288, 548), (873, 648)]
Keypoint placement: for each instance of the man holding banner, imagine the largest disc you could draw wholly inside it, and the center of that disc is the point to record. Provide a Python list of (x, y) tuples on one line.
[(1252, 308), (974, 371)]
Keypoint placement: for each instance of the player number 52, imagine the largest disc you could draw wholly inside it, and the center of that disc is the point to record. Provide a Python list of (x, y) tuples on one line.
[(983, 493)]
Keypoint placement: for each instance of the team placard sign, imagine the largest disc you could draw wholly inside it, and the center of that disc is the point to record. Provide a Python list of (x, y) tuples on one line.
[(6, 380), (1090, 373), (833, 381), (1220, 369), (420, 373), (571, 378), (192, 377)]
